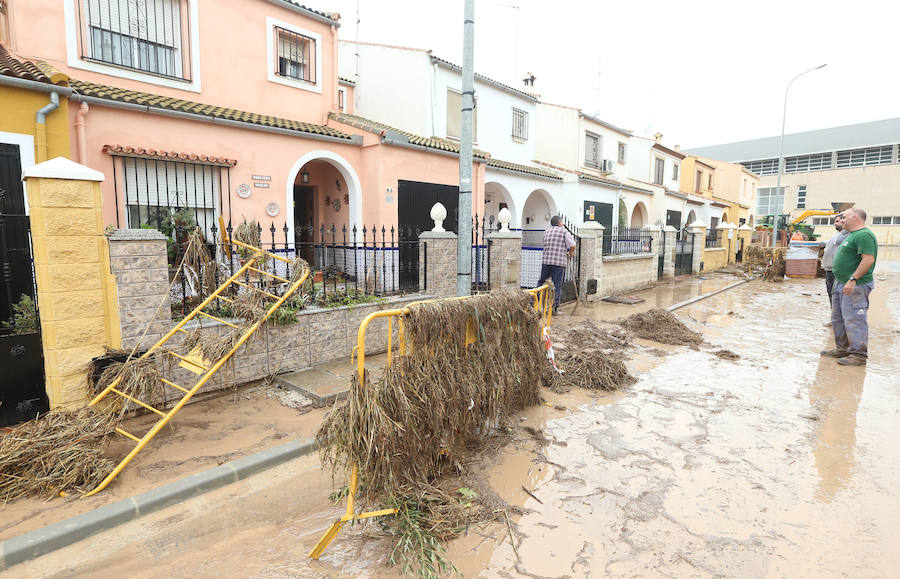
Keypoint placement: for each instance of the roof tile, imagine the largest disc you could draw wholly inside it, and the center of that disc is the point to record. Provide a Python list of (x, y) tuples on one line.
[(174, 104), (509, 166), (380, 128), (129, 151), (24, 70)]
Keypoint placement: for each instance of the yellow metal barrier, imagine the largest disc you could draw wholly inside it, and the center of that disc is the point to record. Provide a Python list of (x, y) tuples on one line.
[(543, 304), (193, 363)]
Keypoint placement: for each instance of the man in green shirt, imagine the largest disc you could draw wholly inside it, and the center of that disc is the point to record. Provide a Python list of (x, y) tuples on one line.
[(853, 265)]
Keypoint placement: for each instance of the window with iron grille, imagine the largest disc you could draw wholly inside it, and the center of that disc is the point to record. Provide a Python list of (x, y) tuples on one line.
[(804, 163), (659, 170), (519, 124), (623, 150), (763, 167), (768, 202), (144, 35), (801, 197), (593, 149), (156, 191), (295, 55), (341, 103), (864, 157)]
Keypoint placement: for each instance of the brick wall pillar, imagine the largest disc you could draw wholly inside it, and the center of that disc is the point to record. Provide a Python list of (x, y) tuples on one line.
[(506, 259), (137, 259), (671, 235), (75, 293), (699, 246), (437, 263), (591, 233)]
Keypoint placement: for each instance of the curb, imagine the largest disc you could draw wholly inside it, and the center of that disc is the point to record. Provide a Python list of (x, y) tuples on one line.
[(674, 307), (63, 533)]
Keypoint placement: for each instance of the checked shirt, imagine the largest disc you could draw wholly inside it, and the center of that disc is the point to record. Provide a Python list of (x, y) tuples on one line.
[(557, 242)]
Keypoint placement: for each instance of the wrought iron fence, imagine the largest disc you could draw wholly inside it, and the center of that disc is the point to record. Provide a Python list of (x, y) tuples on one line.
[(481, 256), (347, 265), (623, 240), (712, 239)]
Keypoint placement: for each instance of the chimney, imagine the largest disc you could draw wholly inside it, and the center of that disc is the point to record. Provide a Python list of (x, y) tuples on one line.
[(528, 80), (678, 147), (658, 138)]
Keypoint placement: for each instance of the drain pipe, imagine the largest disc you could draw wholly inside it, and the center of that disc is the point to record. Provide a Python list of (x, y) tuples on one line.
[(40, 118), (81, 131)]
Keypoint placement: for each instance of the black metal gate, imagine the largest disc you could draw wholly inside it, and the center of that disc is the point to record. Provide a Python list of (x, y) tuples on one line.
[(661, 258), (414, 203), (22, 392), (573, 271), (481, 256), (684, 253)]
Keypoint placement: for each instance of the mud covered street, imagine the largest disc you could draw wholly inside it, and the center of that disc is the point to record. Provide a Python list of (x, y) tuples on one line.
[(780, 463)]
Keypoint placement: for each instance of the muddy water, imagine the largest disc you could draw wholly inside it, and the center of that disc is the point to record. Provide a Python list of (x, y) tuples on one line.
[(779, 464)]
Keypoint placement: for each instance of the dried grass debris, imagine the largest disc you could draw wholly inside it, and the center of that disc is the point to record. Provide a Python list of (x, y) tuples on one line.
[(726, 355), (661, 326), (590, 371)]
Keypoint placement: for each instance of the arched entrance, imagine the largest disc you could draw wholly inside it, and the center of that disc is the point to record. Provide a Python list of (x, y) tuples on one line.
[(496, 197), (316, 177), (536, 213), (639, 216)]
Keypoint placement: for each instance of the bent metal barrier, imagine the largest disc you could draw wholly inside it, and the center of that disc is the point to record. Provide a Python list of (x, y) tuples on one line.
[(542, 302), (205, 369)]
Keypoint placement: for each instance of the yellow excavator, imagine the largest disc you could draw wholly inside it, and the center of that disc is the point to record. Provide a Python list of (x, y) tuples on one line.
[(797, 224)]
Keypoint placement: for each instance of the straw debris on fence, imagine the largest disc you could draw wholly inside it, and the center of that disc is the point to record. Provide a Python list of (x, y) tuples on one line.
[(661, 326)]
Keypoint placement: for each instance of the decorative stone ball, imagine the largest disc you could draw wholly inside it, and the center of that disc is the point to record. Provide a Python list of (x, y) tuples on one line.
[(438, 214), (504, 217)]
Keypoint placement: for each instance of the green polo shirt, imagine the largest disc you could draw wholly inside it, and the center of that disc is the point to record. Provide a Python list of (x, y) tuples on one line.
[(849, 254)]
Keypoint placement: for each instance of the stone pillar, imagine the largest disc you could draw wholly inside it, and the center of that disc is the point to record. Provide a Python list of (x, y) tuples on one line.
[(137, 259), (75, 292), (586, 271), (699, 246), (506, 259), (591, 233), (670, 234), (437, 249)]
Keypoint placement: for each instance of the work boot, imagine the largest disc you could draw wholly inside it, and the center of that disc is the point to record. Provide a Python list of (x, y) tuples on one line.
[(836, 353), (852, 360)]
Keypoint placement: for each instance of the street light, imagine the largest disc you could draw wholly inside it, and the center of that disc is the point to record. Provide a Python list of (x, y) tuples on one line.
[(781, 153)]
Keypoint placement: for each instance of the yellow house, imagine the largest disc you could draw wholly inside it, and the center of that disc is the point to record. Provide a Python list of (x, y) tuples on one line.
[(35, 109)]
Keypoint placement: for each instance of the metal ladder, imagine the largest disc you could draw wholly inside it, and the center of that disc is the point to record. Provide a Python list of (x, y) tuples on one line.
[(205, 369)]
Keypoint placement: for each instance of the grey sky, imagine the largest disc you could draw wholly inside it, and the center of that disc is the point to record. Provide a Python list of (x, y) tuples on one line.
[(700, 72)]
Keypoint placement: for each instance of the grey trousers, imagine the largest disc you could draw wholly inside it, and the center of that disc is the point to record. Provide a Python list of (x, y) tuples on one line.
[(848, 318)]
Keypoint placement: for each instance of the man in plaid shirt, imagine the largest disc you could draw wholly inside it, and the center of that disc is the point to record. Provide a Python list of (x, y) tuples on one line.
[(559, 245)]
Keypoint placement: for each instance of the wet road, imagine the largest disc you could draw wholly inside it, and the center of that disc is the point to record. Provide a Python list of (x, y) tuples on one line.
[(779, 464)]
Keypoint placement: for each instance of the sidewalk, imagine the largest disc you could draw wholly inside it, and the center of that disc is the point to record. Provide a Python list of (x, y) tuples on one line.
[(228, 425)]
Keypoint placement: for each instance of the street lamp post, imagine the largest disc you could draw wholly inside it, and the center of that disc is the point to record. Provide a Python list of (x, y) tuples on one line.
[(781, 153)]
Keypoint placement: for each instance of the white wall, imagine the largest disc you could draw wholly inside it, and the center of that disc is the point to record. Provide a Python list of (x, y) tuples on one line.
[(393, 87), (639, 159), (494, 111), (514, 190), (557, 136)]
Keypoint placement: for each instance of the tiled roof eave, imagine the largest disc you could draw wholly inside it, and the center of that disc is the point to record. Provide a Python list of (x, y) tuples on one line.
[(522, 169), (145, 153)]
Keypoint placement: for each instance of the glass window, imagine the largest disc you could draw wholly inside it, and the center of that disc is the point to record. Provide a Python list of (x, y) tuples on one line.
[(519, 124), (768, 202), (592, 149), (659, 171), (801, 197), (864, 157), (622, 152), (296, 56)]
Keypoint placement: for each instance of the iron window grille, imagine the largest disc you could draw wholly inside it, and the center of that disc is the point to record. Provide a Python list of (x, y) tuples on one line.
[(593, 149), (163, 194), (804, 163), (864, 157), (520, 124), (150, 36), (296, 56)]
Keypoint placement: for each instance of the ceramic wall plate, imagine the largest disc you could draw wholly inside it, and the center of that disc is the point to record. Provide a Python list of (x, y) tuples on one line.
[(272, 209), (244, 191)]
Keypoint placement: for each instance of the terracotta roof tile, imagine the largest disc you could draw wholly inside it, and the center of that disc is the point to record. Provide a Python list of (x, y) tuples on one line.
[(381, 129), (174, 104), (127, 151), (523, 169), (11, 66)]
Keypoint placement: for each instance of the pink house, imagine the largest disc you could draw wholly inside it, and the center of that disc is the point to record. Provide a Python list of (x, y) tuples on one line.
[(232, 109)]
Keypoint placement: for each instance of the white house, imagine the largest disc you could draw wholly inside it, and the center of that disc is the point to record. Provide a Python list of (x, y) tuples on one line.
[(415, 91)]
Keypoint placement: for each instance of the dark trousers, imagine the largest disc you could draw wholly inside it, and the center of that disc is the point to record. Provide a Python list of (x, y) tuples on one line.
[(557, 273), (829, 282), (848, 318)]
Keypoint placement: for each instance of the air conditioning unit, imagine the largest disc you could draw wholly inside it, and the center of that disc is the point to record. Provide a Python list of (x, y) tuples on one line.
[(606, 165)]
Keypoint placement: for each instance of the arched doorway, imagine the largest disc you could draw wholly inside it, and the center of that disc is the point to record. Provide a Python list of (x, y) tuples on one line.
[(496, 197), (639, 216), (315, 177), (536, 213)]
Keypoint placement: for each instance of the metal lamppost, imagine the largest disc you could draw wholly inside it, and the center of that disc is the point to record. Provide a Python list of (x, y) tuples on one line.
[(781, 152)]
